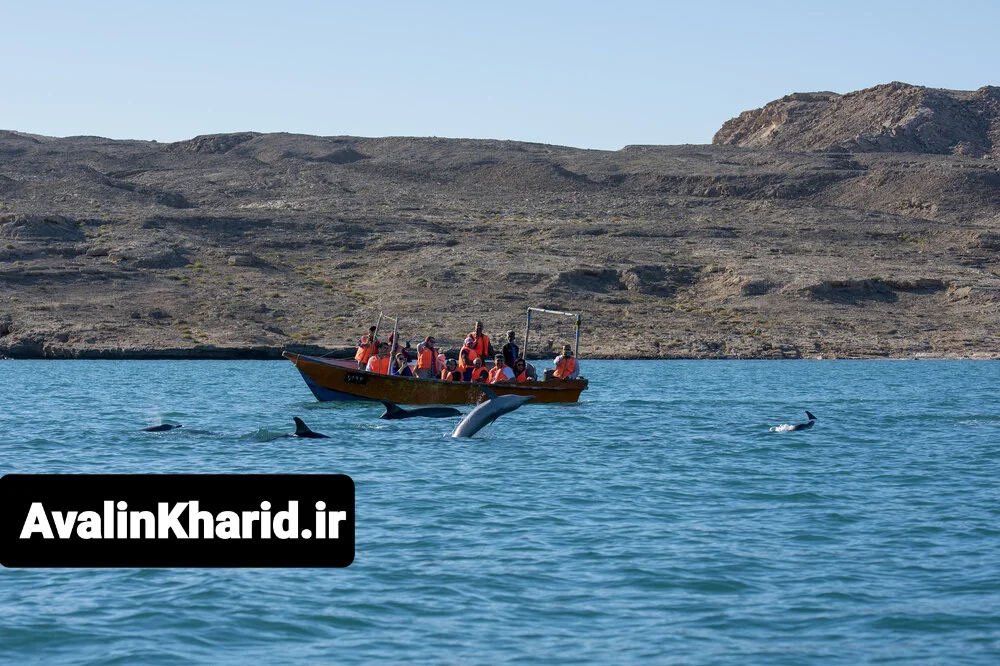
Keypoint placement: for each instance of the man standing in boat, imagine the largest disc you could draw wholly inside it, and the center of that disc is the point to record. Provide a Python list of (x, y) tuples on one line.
[(427, 359), (511, 351), (481, 342), (367, 347)]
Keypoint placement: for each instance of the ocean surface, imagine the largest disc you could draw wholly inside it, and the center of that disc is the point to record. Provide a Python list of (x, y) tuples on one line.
[(660, 520)]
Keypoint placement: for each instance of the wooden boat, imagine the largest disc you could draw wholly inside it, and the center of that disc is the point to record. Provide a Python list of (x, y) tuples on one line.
[(339, 379)]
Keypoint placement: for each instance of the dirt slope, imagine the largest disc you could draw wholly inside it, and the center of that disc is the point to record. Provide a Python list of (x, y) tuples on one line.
[(245, 244)]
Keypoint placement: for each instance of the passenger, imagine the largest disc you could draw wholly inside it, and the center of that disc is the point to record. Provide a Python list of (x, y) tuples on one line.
[(566, 366), (427, 359), (467, 362), (400, 368), (467, 355), (367, 347), (510, 350), (396, 349), (379, 363), (501, 372), (479, 373), (451, 372), (481, 342), (521, 371)]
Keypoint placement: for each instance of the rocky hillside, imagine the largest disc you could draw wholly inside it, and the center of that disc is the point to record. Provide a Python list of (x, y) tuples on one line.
[(245, 244), (896, 117)]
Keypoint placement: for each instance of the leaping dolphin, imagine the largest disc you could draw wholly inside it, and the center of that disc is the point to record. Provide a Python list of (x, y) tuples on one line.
[(394, 411), (488, 412), (302, 430), (163, 427), (804, 426)]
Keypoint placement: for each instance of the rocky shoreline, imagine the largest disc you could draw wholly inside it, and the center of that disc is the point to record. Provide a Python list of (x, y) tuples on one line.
[(211, 353)]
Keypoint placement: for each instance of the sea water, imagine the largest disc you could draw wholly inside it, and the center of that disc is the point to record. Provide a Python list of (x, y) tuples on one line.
[(660, 520)]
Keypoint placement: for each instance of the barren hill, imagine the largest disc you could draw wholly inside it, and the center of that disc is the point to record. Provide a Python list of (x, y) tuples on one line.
[(244, 244), (895, 117)]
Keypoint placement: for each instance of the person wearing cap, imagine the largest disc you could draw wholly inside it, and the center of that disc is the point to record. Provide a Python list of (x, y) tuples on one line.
[(427, 359), (379, 363), (501, 372), (510, 350), (567, 366)]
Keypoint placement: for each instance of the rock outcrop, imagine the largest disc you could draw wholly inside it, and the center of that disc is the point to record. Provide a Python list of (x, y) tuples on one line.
[(895, 117)]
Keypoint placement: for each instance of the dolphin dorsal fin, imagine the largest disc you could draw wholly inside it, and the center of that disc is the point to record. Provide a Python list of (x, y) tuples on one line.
[(300, 427), (809, 414), (390, 407), (489, 394)]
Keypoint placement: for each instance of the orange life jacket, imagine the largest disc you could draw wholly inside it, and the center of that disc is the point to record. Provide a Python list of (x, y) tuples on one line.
[(427, 359), (523, 377), (366, 349), (381, 365), (565, 367), (481, 345), (465, 357), (451, 375), (497, 375), (480, 375)]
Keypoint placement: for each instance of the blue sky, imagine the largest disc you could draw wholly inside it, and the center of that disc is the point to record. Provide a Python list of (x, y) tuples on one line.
[(587, 74)]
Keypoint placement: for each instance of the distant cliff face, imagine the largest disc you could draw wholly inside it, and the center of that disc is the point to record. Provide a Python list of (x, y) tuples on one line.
[(895, 117)]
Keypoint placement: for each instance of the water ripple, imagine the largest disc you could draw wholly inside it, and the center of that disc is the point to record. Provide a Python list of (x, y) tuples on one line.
[(657, 521)]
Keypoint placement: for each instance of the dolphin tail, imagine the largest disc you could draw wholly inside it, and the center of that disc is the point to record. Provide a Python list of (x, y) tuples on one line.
[(301, 429), (809, 414), (489, 393), (392, 410)]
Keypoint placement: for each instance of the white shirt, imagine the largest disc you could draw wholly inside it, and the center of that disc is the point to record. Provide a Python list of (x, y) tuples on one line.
[(507, 373)]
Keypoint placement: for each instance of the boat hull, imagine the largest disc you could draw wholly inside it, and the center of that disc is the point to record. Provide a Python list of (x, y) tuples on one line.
[(340, 380)]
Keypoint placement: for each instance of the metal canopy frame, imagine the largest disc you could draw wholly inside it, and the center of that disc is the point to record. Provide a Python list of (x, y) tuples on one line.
[(527, 328)]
